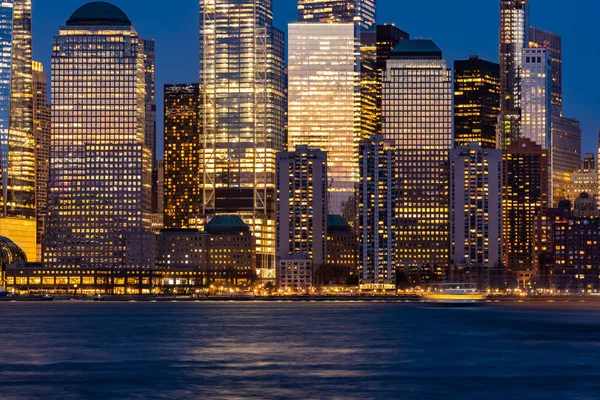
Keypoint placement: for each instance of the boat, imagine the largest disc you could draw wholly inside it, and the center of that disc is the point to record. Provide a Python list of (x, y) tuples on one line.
[(98, 298), (47, 297), (454, 294)]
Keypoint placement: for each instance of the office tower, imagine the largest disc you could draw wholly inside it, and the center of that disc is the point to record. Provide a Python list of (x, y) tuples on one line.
[(158, 197), (360, 12), (183, 144), (41, 125), (100, 169), (302, 204), (342, 253), (539, 38), (525, 199), (376, 48), (566, 155), (17, 148), (476, 211), (149, 68), (476, 102), (584, 180), (377, 198), (514, 26), (324, 101), (536, 96), (242, 77), (417, 121)]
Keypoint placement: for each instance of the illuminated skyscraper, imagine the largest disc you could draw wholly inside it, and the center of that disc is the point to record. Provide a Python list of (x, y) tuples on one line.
[(149, 67), (552, 42), (476, 102), (378, 198), (361, 12), (100, 169), (182, 177), (417, 121), (41, 122), (242, 77), (566, 155), (584, 180), (324, 101), (514, 27)]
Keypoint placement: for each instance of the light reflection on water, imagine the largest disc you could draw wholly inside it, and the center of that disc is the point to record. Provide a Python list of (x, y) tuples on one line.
[(295, 351)]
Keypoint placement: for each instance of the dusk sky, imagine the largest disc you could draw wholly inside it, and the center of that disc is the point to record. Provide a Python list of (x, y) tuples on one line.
[(460, 28)]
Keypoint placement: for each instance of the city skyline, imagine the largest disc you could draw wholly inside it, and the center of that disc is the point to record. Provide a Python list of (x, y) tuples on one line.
[(176, 32)]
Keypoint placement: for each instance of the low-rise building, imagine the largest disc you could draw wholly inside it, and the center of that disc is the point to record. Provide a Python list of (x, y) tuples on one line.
[(295, 273)]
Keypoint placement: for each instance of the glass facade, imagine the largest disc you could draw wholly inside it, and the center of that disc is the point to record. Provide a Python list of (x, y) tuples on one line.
[(566, 156), (476, 102), (553, 43), (360, 12), (536, 94), (324, 103), (100, 168), (242, 76), (417, 121), (149, 67)]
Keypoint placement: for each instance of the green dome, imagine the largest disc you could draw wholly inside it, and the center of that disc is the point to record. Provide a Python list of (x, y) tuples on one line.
[(226, 224), (99, 13)]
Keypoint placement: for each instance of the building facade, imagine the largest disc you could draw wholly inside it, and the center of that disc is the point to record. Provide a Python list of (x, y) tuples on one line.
[(584, 180), (417, 112), (476, 102), (182, 156), (536, 96), (566, 156), (539, 38), (100, 169), (360, 12), (378, 224), (242, 77), (149, 78), (302, 204), (342, 253)]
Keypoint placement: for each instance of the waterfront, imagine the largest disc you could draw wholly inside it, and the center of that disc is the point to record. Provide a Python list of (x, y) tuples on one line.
[(294, 350)]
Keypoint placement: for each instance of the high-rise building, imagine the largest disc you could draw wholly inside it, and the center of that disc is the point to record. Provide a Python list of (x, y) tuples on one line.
[(158, 197), (584, 180), (242, 78), (41, 124), (476, 102), (100, 169), (417, 122), (566, 155), (553, 43), (182, 151), (376, 48), (360, 12), (536, 96), (149, 68), (17, 141), (514, 29), (342, 253), (476, 210), (525, 199), (377, 198), (324, 101), (302, 204)]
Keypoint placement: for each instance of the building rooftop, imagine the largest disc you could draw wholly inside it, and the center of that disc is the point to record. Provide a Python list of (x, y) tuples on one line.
[(336, 223), (10, 252), (416, 49), (226, 224), (98, 13)]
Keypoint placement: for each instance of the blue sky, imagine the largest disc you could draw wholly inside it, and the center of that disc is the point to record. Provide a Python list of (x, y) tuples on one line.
[(459, 27)]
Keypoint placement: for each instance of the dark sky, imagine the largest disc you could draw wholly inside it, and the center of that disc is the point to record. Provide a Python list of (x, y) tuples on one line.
[(459, 27)]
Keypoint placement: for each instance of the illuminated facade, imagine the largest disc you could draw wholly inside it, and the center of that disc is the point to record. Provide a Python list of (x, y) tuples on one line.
[(417, 122), (566, 156), (41, 123), (476, 207), (158, 197), (360, 12), (536, 96), (584, 180), (514, 29), (539, 38), (242, 77), (525, 199), (342, 253), (149, 68), (100, 169), (476, 102), (9, 253), (324, 101), (182, 173), (302, 204), (378, 224)]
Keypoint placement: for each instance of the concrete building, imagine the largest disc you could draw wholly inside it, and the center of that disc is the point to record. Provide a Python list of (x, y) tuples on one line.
[(295, 273)]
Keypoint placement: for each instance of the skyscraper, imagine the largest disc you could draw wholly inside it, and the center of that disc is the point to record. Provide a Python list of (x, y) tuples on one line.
[(417, 122), (360, 12), (149, 68), (324, 101), (302, 204), (584, 180), (536, 96), (183, 139), (476, 102), (41, 122), (476, 209), (377, 197), (539, 38), (566, 155), (514, 27), (17, 148), (100, 169), (242, 77)]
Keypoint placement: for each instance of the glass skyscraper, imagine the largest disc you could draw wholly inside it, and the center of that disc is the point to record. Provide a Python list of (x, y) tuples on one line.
[(552, 42), (242, 78), (360, 12), (100, 168), (566, 156), (417, 121)]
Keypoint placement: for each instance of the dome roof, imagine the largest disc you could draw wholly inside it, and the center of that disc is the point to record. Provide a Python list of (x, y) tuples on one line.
[(99, 13), (337, 223), (10, 252), (224, 224)]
